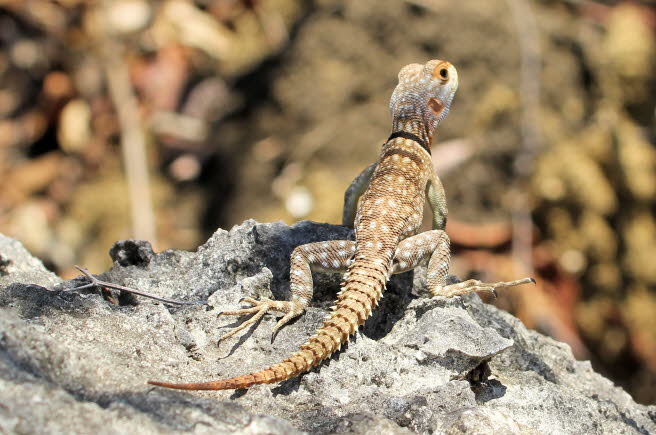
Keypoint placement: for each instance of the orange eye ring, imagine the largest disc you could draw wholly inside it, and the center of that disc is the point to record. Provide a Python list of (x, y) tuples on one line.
[(441, 71)]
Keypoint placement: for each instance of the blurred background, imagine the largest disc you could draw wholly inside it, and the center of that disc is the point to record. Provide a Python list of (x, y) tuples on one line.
[(167, 120)]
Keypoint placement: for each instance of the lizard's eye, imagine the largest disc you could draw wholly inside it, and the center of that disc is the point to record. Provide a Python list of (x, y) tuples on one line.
[(444, 73)]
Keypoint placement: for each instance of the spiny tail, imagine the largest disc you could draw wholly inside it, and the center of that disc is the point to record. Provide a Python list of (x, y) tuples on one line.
[(361, 291)]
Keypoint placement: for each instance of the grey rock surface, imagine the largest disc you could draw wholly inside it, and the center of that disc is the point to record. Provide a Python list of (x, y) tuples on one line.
[(73, 362)]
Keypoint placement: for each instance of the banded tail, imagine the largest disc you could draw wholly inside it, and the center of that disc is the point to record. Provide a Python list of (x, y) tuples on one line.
[(362, 289)]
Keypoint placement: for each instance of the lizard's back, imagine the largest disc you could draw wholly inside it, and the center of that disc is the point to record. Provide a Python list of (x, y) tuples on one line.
[(391, 208)]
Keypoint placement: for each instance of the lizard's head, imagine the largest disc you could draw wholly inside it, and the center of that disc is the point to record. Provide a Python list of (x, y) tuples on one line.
[(425, 91)]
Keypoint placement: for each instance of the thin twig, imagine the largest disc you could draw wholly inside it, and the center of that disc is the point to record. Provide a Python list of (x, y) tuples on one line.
[(95, 282), (530, 59), (133, 138)]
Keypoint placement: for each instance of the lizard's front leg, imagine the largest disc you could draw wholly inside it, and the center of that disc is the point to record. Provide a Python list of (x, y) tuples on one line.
[(435, 245), (330, 256), (353, 194), (437, 201)]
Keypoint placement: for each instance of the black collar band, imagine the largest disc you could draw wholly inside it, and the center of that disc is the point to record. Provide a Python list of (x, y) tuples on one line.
[(412, 137)]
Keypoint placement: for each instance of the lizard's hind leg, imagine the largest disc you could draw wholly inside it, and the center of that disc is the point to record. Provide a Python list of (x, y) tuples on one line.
[(330, 256), (416, 249), (435, 245)]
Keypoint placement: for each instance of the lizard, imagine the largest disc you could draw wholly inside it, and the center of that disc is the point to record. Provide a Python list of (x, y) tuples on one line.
[(385, 205)]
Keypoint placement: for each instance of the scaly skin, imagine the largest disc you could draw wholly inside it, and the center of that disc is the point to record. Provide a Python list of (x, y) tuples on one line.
[(386, 222)]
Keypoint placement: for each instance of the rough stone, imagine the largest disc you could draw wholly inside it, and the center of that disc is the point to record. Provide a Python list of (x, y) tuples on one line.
[(75, 362)]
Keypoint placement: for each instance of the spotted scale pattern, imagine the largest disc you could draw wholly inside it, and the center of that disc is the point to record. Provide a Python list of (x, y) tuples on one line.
[(415, 250)]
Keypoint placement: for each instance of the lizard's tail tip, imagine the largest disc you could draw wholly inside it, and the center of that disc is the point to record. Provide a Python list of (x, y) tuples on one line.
[(168, 385), (193, 386)]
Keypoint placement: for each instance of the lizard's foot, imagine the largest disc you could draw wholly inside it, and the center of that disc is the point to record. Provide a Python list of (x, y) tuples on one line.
[(474, 285), (259, 309)]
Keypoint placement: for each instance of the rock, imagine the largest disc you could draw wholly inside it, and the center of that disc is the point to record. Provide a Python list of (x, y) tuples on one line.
[(18, 266), (74, 362)]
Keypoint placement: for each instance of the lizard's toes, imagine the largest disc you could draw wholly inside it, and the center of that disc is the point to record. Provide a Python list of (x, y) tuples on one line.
[(484, 288)]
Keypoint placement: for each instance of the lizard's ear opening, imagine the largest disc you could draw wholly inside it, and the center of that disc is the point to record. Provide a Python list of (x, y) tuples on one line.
[(437, 106)]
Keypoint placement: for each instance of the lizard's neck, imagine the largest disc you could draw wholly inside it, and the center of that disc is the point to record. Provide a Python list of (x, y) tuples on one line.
[(414, 125)]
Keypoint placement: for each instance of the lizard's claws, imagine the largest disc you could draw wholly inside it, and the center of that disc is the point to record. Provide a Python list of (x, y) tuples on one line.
[(259, 309)]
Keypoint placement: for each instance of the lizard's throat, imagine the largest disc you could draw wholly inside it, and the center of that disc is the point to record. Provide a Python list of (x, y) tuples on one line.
[(414, 126)]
